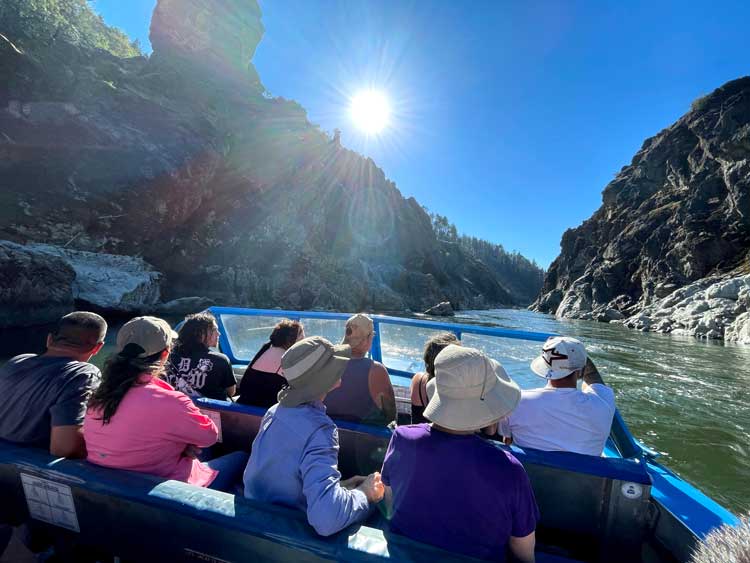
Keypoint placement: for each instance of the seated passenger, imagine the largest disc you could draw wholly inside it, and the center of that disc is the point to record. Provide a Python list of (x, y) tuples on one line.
[(294, 457), (193, 368), (138, 422), (449, 487), (264, 377), (418, 388), (366, 394), (43, 398), (559, 417)]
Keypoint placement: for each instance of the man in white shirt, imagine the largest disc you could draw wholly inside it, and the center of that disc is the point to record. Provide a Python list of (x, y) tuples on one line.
[(559, 416)]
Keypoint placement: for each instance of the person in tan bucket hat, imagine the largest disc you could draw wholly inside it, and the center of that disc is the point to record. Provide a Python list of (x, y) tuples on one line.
[(294, 460), (366, 393), (467, 484)]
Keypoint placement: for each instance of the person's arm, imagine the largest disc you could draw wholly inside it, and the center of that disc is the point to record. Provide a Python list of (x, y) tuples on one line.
[(523, 548), (525, 517), (228, 381), (67, 441), (186, 423), (67, 414), (381, 390), (330, 507), (591, 375)]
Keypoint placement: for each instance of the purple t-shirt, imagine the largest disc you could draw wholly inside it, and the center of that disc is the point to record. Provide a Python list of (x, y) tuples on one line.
[(460, 493)]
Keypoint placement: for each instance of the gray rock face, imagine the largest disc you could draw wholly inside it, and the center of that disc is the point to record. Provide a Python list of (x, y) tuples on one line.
[(714, 307), (35, 288), (39, 283), (679, 213), (106, 281), (183, 160)]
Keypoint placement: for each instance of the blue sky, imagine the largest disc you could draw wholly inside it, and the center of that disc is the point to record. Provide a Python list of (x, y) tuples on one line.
[(509, 117)]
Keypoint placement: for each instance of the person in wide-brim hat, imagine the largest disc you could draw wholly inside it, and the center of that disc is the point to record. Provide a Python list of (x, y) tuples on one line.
[(312, 367), (448, 471), (294, 459), (469, 390)]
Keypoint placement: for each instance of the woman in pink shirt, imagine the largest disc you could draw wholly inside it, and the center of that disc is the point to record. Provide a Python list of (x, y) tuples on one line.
[(138, 422)]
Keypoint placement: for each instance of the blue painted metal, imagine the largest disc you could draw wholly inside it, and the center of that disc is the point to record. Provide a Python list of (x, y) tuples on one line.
[(698, 512)]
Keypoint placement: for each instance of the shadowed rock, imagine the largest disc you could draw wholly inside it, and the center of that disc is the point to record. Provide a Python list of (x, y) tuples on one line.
[(680, 212)]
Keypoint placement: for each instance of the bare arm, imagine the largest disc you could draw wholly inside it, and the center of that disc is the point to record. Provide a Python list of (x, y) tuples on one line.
[(523, 548), (67, 441), (231, 390), (381, 390), (591, 374)]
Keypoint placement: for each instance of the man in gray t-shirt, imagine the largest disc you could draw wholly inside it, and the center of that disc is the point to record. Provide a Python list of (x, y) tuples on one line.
[(43, 398)]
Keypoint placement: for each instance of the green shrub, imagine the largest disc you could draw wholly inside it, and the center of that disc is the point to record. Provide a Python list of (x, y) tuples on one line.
[(74, 21)]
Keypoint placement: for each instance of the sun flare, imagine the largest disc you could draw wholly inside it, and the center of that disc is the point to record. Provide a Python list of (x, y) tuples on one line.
[(370, 111)]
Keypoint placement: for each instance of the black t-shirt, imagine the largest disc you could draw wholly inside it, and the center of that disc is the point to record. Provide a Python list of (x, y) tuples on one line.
[(38, 392), (200, 372)]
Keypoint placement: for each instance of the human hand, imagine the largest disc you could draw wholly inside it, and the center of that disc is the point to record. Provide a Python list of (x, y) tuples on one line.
[(192, 451), (373, 487), (353, 482)]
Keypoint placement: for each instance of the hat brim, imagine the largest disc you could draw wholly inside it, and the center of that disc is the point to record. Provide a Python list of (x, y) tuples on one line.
[(319, 381), (475, 412), (542, 369)]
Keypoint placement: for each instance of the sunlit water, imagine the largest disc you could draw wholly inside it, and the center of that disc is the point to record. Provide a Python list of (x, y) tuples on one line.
[(687, 398), (684, 397)]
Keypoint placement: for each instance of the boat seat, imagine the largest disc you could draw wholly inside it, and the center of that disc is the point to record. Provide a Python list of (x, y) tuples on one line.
[(589, 505), (118, 511)]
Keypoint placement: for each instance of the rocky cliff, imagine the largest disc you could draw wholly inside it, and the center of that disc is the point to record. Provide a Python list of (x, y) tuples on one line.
[(185, 162), (673, 224)]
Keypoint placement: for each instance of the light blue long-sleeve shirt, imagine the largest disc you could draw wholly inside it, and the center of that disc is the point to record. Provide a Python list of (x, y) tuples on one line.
[(294, 463)]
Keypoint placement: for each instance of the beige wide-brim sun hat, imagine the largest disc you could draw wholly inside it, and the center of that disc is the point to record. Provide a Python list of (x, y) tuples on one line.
[(469, 390), (312, 367)]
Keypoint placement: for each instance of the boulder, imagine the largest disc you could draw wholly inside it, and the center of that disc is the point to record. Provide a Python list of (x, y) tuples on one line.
[(35, 287), (443, 309), (739, 330), (108, 282)]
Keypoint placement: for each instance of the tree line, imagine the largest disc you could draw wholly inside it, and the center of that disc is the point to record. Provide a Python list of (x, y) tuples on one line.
[(522, 276)]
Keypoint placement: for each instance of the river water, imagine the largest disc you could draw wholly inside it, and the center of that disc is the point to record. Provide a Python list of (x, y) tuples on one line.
[(688, 399)]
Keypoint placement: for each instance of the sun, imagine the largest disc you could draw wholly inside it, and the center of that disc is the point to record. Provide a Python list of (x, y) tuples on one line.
[(370, 111)]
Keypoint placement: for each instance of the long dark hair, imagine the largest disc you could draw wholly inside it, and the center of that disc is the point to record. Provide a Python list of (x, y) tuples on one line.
[(194, 332), (120, 373)]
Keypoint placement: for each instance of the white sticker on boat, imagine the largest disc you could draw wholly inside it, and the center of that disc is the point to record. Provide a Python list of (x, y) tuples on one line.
[(50, 502), (632, 490), (215, 416)]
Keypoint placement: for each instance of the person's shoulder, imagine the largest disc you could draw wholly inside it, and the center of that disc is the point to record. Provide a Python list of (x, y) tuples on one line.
[(218, 356), (412, 432), (16, 362), (599, 393)]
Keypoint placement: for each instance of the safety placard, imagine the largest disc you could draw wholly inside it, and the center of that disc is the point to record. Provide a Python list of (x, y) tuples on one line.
[(50, 502), (215, 416)]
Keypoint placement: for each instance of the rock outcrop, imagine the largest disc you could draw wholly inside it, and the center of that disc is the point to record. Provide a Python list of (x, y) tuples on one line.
[(182, 159), (39, 283), (444, 309), (678, 214), (714, 307)]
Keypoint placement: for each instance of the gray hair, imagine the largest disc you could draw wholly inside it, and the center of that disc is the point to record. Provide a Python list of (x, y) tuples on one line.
[(728, 544)]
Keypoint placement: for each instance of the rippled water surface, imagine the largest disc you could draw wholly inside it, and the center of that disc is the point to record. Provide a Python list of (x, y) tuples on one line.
[(687, 398)]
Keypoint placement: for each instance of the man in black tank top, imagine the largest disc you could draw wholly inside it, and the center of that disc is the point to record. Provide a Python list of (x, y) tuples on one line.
[(366, 394)]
